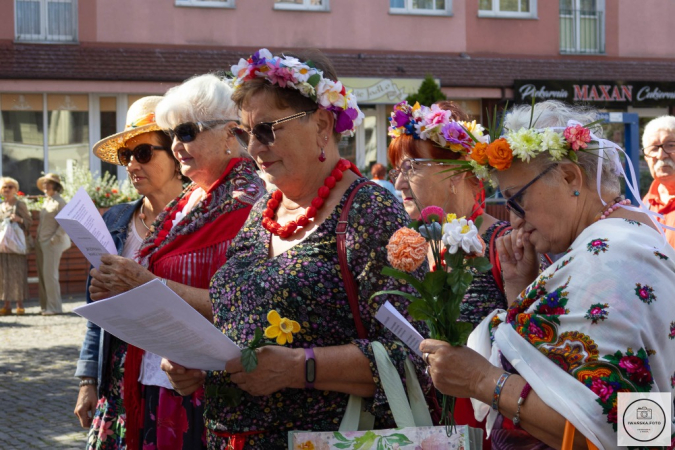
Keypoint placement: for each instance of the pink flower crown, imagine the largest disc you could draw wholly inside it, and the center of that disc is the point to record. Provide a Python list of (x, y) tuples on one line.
[(290, 72), (434, 124)]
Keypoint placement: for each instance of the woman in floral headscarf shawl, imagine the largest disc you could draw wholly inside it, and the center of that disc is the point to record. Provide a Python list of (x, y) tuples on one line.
[(598, 322)]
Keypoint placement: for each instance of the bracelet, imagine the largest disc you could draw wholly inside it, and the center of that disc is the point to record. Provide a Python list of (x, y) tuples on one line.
[(523, 395), (310, 368), (498, 390), (88, 382)]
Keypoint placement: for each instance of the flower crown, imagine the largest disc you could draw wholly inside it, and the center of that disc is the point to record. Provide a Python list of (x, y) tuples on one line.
[(434, 124), (290, 72), (528, 143)]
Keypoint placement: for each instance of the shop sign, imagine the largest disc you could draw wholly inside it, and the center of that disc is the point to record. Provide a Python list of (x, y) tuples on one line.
[(601, 94), (382, 90)]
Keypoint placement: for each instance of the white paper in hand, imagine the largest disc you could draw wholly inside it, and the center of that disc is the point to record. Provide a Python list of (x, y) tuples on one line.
[(82, 222), (402, 329), (152, 317)]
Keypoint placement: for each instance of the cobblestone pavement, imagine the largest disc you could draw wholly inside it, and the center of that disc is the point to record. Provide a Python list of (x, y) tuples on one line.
[(38, 355)]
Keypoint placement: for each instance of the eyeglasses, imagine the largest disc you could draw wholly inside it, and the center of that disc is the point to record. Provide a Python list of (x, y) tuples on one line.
[(653, 150), (264, 131), (410, 165), (142, 153), (512, 203), (8, 186), (188, 131)]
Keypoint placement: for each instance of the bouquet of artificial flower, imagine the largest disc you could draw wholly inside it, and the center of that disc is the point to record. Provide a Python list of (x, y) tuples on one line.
[(458, 255)]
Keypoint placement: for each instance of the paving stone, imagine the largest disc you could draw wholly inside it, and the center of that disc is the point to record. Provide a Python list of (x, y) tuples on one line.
[(37, 389)]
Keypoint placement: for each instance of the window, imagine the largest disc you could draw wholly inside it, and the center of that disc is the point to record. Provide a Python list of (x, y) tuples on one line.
[(302, 5), (206, 3), (46, 20), (582, 26), (67, 131), (425, 7), (509, 9)]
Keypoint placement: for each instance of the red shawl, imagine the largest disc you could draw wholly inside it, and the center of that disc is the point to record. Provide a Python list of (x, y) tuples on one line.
[(190, 253)]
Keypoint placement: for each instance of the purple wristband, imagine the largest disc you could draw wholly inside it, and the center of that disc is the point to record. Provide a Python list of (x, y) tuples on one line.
[(310, 368)]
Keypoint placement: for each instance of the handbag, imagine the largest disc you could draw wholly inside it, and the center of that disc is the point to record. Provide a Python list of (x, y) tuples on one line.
[(12, 238), (568, 438)]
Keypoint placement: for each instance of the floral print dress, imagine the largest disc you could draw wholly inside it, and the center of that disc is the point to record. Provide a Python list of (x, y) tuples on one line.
[(599, 321), (305, 284)]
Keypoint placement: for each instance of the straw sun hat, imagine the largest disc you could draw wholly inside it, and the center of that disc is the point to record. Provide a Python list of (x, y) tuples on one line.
[(140, 119), (48, 177)]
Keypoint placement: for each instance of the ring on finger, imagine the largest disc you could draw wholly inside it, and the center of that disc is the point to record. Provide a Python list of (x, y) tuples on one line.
[(425, 358)]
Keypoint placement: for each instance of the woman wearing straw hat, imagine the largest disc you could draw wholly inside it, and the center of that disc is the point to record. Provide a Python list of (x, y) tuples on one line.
[(187, 244), (52, 241), (146, 152)]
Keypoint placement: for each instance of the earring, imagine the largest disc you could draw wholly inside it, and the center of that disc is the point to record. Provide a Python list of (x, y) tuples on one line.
[(322, 156), (576, 193), (454, 190), (229, 152)]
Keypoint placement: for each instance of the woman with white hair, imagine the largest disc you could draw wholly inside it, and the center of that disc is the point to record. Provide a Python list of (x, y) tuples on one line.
[(598, 322), (186, 245), (658, 146)]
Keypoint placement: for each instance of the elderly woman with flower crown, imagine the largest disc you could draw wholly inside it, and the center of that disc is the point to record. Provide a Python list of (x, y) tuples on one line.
[(284, 267), (425, 143), (598, 322)]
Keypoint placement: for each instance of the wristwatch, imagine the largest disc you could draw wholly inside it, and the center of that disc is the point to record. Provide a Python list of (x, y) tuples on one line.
[(310, 368)]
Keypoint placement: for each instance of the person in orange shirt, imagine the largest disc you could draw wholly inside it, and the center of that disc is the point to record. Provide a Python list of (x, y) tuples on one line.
[(658, 146)]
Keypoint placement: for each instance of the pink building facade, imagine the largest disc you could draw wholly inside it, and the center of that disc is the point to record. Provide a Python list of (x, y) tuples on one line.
[(70, 68)]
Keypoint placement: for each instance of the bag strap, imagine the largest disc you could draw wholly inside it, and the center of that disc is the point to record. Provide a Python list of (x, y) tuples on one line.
[(494, 257), (347, 277), (568, 438)]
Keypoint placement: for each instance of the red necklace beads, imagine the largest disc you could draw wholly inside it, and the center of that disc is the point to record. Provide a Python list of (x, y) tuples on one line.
[(290, 228)]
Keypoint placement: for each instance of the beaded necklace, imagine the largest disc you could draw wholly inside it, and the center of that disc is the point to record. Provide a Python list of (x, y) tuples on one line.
[(302, 220)]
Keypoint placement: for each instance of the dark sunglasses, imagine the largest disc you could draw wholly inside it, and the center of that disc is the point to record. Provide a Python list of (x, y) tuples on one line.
[(512, 203), (142, 153), (264, 131), (188, 131)]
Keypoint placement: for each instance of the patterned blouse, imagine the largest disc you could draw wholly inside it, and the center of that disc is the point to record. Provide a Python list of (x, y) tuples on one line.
[(483, 296), (305, 284)]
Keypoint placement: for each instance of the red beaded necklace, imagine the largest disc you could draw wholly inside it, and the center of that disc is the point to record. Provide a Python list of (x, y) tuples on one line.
[(289, 229)]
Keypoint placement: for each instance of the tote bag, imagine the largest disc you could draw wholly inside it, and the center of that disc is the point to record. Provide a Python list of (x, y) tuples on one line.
[(12, 238)]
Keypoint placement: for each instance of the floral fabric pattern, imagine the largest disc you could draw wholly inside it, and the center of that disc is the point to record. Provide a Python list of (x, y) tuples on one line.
[(305, 283), (600, 324)]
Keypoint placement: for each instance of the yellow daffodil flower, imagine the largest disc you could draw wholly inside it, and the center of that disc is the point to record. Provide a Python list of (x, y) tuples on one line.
[(281, 328)]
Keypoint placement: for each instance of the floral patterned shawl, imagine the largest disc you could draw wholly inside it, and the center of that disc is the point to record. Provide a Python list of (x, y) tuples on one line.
[(604, 314)]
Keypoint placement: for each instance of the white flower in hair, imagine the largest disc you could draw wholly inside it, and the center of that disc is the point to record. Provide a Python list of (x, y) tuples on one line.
[(462, 233), (525, 143), (330, 94), (554, 143)]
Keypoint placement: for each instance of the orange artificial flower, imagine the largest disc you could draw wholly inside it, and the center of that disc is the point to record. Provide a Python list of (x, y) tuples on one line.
[(407, 250), (478, 153), (499, 154)]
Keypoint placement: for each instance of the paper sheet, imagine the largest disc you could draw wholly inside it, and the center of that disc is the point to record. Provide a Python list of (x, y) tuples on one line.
[(402, 329), (83, 223), (154, 318)]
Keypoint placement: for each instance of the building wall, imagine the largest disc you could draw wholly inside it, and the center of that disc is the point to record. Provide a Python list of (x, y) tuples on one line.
[(646, 31), (350, 24), (6, 19)]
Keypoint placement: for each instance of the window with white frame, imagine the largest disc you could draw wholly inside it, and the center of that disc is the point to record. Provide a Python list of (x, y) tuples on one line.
[(428, 7), (582, 26), (514, 9), (206, 3), (302, 5), (45, 20)]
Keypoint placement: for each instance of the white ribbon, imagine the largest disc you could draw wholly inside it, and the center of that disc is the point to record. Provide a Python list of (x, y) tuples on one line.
[(631, 184)]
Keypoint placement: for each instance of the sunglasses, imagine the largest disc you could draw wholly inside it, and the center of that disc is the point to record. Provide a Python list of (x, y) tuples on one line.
[(512, 203), (264, 131), (142, 153), (188, 131)]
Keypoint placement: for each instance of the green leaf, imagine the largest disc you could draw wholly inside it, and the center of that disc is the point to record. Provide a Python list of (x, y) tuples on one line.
[(463, 330), (340, 445), (340, 437), (258, 335), (478, 222), (410, 297), (314, 80), (419, 310), (572, 155), (414, 282), (398, 438), (365, 442), (480, 264), (435, 282), (249, 359)]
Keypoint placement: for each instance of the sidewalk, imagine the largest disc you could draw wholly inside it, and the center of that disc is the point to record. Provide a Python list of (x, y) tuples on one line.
[(38, 355)]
